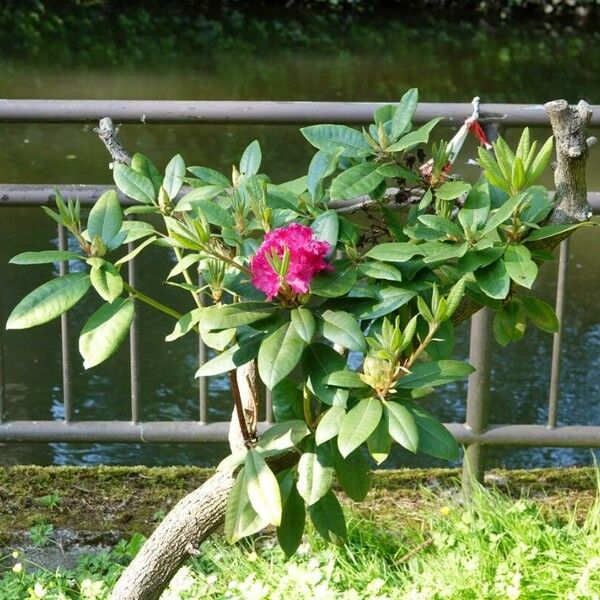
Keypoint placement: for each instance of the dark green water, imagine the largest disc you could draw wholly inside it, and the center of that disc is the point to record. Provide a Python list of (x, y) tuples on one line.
[(448, 62)]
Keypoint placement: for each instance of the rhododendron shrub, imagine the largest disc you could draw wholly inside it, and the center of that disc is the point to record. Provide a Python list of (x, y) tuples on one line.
[(366, 260)]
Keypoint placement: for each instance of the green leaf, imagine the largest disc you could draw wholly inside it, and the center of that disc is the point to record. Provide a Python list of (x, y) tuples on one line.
[(441, 224), (251, 159), (356, 181), (329, 425), (390, 298), (380, 441), (107, 281), (210, 176), (519, 266), (293, 519), (338, 283), (434, 438), (378, 270), (403, 113), (133, 184), (342, 328), (318, 362), (475, 259), (353, 473), (346, 379), (414, 138), (326, 228), (552, 230), (540, 313), (358, 424), (262, 488), (394, 251), (143, 165), (283, 436), (476, 208), (401, 426), (218, 340), (304, 322), (43, 257), (452, 190), (540, 162), (229, 316), (286, 398), (431, 374), (240, 517), (174, 174), (330, 138), (233, 357), (105, 218), (494, 280), (184, 325), (131, 255), (280, 351), (104, 331), (322, 165), (199, 198), (315, 474), (328, 518), (48, 301), (509, 323), (503, 213)]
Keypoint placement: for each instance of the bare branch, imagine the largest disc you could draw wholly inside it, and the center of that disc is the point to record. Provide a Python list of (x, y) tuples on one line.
[(109, 134)]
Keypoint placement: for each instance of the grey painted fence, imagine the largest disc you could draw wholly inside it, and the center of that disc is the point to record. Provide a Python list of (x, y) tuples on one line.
[(476, 433)]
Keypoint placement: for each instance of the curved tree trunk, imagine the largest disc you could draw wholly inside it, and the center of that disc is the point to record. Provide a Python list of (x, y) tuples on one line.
[(200, 513)]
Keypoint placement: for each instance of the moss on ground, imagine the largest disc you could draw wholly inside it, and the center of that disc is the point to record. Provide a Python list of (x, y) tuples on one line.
[(118, 501)]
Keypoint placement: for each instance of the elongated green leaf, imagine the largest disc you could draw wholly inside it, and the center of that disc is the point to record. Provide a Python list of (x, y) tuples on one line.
[(401, 426), (403, 113), (519, 266), (380, 441), (503, 213), (328, 518), (326, 228), (353, 473), (174, 174), (315, 474), (262, 488), (322, 165), (390, 298), (318, 362), (304, 322), (133, 184), (356, 181), (509, 323), (107, 281), (218, 340), (198, 198), (283, 436), (48, 301), (394, 251), (279, 353), (414, 138), (251, 159), (378, 270), (184, 325), (330, 138), (229, 316), (358, 424), (494, 280), (240, 517), (342, 328), (286, 398), (293, 520), (233, 357), (329, 425), (552, 230), (431, 374), (106, 217), (476, 208), (104, 331), (540, 162), (131, 255), (210, 176), (452, 190), (394, 170), (540, 313), (44, 257), (338, 283), (346, 379), (434, 438)]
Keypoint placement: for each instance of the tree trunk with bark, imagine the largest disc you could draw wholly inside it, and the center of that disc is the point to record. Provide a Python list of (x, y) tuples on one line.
[(200, 513)]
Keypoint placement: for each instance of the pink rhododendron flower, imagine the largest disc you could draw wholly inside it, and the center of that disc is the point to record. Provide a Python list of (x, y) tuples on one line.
[(306, 258)]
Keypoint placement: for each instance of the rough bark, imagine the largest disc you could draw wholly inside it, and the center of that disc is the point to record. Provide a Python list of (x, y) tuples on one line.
[(200, 513), (109, 134)]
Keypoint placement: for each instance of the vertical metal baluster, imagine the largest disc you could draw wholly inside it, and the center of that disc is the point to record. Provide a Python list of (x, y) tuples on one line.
[(134, 375), (561, 282), (202, 381), (478, 395), (63, 267), (2, 380)]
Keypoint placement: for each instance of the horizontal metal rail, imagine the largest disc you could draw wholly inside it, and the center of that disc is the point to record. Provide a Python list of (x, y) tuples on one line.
[(259, 112), (193, 431)]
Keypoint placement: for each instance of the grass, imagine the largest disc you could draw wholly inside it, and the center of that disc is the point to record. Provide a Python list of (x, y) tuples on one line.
[(424, 544)]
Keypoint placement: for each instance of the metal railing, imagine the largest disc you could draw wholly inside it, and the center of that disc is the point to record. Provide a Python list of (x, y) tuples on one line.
[(476, 433)]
